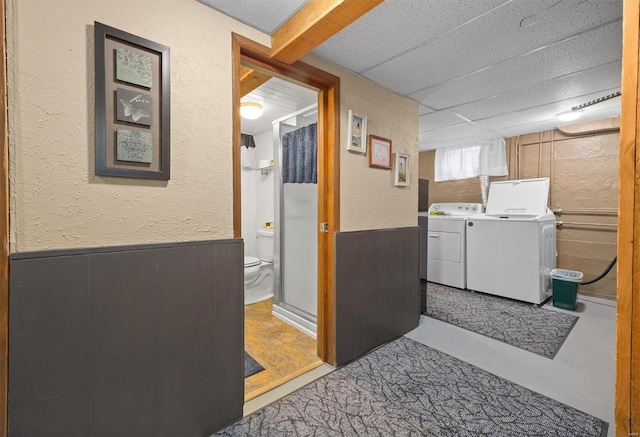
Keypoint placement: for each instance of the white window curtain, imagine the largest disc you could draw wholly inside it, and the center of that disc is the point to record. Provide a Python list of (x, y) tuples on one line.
[(484, 158)]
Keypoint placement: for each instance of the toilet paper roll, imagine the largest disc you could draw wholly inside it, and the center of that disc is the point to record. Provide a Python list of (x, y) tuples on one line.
[(264, 163)]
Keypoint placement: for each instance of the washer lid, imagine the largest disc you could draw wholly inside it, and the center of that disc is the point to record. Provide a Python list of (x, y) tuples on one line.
[(526, 197), (250, 261)]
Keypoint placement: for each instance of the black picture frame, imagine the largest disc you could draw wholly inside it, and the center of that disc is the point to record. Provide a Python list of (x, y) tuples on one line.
[(107, 84)]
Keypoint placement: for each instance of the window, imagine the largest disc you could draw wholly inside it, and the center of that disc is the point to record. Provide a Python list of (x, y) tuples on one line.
[(484, 158)]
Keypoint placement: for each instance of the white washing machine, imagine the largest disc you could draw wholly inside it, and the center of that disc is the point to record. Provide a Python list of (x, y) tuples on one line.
[(446, 246), (511, 249)]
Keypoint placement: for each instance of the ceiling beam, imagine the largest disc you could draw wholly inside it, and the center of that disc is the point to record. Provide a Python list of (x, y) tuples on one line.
[(314, 23), (250, 80)]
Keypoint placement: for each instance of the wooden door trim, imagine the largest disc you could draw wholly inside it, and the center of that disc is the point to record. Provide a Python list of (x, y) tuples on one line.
[(259, 57), (628, 276)]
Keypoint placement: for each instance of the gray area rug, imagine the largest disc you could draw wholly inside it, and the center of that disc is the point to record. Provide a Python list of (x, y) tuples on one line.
[(519, 324), (405, 388), (251, 366)]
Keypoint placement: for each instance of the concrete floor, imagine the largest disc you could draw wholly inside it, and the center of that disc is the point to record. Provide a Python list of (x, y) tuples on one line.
[(581, 375)]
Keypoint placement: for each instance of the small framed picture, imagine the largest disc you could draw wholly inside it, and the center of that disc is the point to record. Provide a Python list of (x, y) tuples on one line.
[(357, 129), (379, 152), (401, 169)]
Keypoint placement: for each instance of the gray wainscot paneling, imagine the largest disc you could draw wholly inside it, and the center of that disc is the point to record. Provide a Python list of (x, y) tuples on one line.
[(123, 341), (377, 289)]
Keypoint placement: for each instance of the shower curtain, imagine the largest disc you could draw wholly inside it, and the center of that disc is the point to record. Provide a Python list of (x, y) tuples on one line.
[(300, 155)]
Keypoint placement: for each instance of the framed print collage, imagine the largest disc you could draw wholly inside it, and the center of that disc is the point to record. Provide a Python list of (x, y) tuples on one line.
[(132, 111)]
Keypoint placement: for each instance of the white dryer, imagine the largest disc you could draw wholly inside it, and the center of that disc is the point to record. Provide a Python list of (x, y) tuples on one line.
[(446, 247), (511, 249)]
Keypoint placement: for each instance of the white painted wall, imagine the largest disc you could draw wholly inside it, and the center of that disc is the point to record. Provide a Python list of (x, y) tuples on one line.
[(248, 183), (265, 183), (257, 193)]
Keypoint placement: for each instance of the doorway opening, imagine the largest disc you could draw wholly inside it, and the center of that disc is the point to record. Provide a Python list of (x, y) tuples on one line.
[(279, 214), (299, 306)]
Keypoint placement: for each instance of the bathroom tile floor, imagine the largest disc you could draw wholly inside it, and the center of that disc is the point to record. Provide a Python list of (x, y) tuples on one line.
[(284, 351)]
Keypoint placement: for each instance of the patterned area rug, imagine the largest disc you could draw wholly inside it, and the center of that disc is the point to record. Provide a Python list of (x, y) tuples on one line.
[(519, 324), (251, 366), (405, 388)]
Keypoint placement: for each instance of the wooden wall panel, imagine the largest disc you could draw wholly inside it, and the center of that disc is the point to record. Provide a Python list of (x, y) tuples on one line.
[(49, 356), (219, 293), (377, 289), (140, 340), (121, 333), (177, 409)]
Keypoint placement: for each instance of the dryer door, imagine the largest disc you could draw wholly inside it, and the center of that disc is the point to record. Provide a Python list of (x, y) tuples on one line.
[(446, 258), (444, 246)]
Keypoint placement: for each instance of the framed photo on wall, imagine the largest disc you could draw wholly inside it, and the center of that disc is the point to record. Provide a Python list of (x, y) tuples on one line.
[(379, 152), (401, 169), (357, 129), (132, 111)]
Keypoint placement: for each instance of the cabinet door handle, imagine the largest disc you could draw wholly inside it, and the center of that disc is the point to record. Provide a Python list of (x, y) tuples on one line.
[(434, 236)]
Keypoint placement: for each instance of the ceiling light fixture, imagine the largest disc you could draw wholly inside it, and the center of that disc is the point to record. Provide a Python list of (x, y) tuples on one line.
[(251, 110), (569, 115)]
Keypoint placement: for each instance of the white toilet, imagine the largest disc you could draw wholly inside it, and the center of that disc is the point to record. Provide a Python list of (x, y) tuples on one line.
[(258, 272)]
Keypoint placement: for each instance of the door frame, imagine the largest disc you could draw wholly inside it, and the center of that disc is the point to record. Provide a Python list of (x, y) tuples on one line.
[(627, 390), (258, 57)]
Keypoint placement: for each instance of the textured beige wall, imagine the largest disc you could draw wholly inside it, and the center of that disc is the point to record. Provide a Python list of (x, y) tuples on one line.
[(585, 176), (368, 197), (56, 200)]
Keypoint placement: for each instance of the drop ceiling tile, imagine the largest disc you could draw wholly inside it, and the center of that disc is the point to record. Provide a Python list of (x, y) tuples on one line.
[(395, 26), (528, 128), (541, 126), (604, 79), (424, 110), (460, 130), (486, 41), (437, 120), (429, 143), (265, 16), (594, 48), (547, 112)]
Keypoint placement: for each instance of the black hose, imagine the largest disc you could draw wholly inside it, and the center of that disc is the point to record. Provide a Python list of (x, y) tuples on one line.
[(611, 264)]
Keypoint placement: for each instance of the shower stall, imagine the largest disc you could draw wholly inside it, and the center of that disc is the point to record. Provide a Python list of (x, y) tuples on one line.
[(296, 218)]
